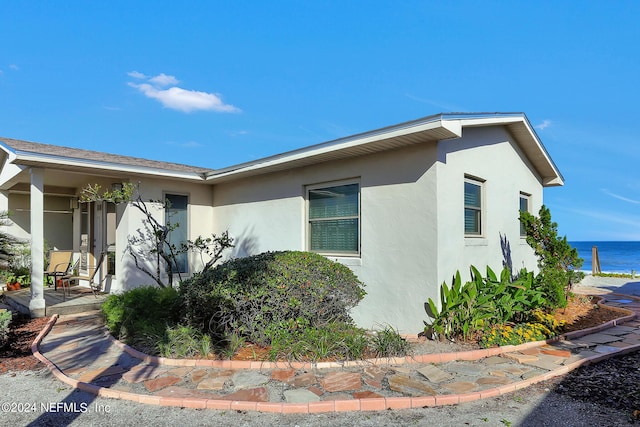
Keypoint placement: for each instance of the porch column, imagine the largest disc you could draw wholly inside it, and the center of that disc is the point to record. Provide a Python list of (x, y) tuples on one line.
[(37, 305)]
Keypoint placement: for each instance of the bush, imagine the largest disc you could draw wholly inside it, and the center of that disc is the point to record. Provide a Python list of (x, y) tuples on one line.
[(183, 341), (541, 326), (481, 303), (557, 259), (141, 312), (387, 342), (5, 321), (334, 340), (247, 296)]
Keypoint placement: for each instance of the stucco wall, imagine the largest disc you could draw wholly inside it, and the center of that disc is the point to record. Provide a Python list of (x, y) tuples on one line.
[(398, 232), (490, 154), (412, 217), (129, 220)]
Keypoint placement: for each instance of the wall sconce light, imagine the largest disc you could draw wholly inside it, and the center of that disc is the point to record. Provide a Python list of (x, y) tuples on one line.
[(73, 204), (116, 186)]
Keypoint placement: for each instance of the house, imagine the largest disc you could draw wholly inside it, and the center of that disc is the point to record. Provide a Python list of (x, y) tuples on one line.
[(403, 206)]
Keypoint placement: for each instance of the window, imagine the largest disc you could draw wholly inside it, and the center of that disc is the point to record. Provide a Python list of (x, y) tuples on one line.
[(524, 207), (472, 207), (334, 219), (176, 216)]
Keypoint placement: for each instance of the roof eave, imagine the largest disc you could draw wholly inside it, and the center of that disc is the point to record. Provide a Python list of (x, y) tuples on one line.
[(431, 128), (27, 158)]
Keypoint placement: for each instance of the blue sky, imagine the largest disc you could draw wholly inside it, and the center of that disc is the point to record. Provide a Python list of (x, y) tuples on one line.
[(219, 83)]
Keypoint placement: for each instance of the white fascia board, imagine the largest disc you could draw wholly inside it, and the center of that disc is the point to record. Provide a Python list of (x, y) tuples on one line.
[(44, 160), (452, 126), (9, 173)]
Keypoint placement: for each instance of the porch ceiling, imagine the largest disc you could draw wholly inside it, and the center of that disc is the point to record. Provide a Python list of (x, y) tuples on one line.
[(58, 182)]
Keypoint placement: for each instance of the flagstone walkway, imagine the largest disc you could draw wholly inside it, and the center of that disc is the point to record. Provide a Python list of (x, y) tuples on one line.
[(79, 352)]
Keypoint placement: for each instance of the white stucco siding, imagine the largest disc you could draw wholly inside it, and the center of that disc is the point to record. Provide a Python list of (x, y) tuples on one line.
[(130, 219), (397, 225), (261, 214), (490, 155)]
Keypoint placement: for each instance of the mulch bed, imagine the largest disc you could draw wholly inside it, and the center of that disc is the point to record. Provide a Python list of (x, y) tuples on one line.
[(15, 354)]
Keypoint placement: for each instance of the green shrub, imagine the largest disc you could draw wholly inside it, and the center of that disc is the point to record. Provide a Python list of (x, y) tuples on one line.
[(481, 303), (387, 342), (540, 327), (247, 296), (557, 259), (141, 313), (5, 321), (184, 342), (462, 310), (334, 340)]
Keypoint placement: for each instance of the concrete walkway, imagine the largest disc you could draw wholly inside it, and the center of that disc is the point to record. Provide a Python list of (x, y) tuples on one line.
[(79, 352)]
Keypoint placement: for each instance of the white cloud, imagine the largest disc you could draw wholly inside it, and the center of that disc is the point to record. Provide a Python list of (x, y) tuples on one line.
[(164, 80), (178, 98), (545, 124), (14, 67), (136, 75), (619, 197)]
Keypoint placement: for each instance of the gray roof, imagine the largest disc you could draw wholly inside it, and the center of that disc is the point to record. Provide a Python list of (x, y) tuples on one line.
[(81, 154)]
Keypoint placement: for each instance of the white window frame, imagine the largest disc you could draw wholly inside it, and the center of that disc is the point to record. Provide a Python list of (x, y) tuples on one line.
[(308, 189), (527, 198), (468, 179)]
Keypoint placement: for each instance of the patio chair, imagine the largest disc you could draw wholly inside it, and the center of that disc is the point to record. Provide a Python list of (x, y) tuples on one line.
[(59, 264), (95, 286)]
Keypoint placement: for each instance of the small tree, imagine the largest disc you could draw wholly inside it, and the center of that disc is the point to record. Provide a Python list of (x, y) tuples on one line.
[(155, 235), (557, 259), (7, 242)]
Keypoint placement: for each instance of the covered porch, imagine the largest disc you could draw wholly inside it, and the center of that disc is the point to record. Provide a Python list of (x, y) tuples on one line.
[(81, 299)]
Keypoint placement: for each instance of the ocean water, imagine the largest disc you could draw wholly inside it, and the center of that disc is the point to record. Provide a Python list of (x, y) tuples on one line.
[(615, 257)]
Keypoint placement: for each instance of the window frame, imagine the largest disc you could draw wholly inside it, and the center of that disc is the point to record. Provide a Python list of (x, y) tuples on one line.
[(480, 210), (326, 185), (527, 198)]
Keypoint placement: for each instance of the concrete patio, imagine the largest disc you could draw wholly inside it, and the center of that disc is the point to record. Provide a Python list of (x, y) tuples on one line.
[(81, 299)]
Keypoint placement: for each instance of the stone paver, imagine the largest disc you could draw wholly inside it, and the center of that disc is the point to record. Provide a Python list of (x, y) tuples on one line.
[(461, 387), (600, 338), (341, 381), (94, 374), (303, 380), (162, 382), (300, 395), (248, 379), (435, 374), (259, 394), (407, 385), (213, 383)]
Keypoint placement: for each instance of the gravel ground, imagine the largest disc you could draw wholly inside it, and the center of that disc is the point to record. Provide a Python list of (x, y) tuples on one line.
[(35, 398)]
